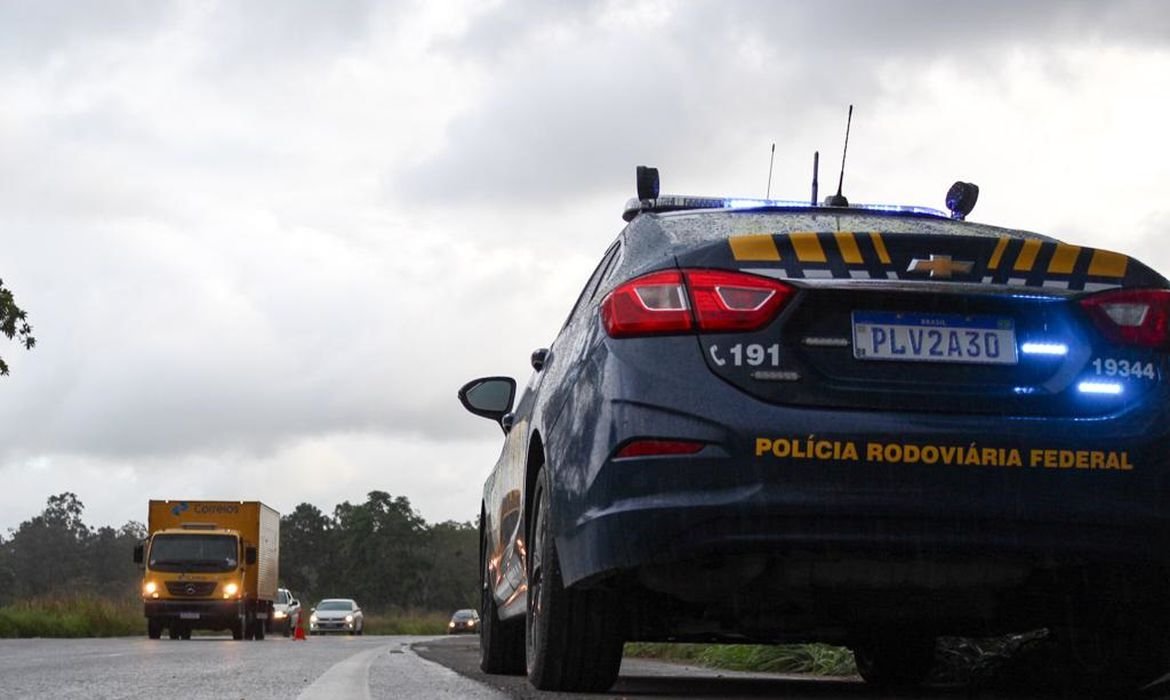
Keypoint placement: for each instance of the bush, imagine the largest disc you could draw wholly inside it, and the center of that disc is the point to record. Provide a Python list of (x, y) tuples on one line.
[(414, 622), (71, 616)]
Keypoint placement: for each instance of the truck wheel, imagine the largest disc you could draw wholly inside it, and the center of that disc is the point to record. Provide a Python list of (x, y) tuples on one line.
[(574, 640), (501, 645), (154, 629), (239, 627), (895, 661), (186, 633), (173, 632), (261, 631)]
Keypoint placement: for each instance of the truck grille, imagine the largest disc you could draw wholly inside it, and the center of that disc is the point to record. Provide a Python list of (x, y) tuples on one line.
[(191, 589)]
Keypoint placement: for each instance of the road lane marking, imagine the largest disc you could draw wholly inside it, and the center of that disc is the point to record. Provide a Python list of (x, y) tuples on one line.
[(419, 677), (345, 679)]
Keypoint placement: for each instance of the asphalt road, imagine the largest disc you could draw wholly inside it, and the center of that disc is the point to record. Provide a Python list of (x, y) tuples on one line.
[(320, 668), (361, 668)]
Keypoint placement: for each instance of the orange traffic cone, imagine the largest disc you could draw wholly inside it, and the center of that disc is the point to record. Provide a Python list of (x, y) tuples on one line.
[(300, 633)]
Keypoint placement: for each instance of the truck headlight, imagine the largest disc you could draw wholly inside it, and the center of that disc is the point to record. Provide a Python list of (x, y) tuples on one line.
[(231, 589), (151, 588)]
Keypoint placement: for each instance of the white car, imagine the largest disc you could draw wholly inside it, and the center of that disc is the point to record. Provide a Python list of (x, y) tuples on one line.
[(286, 612), (336, 615)]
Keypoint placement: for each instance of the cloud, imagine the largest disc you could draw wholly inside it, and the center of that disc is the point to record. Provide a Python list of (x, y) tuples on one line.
[(687, 85)]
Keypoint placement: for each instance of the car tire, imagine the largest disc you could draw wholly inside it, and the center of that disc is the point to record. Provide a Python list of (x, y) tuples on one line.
[(573, 637), (153, 629), (501, 646), (895, 661)]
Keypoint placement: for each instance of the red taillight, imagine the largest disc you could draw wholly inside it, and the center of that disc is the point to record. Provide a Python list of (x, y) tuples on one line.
[(651, 447), (649, 305), (660, 303), (1132, 316), (733, 301)]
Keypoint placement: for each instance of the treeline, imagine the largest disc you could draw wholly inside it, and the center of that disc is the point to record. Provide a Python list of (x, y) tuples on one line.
[(381, 552)]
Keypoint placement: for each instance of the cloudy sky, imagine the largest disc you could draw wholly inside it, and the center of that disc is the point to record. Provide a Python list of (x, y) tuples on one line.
[(263, 243)]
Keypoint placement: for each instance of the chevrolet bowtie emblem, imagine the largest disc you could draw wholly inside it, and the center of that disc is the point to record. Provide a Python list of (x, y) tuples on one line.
[(940, 266)]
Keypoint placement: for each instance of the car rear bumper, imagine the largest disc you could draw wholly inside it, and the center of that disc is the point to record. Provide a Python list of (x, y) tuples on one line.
[(820, 485)]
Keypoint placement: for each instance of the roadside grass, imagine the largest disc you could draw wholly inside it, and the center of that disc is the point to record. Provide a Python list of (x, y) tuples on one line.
[(817, 659), (71, 616), (413, 622)]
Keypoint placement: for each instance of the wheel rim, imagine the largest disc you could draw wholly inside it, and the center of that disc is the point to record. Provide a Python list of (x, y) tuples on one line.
[(536, 579)]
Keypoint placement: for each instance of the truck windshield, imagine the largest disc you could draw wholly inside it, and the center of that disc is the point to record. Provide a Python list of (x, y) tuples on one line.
[(193, 553)]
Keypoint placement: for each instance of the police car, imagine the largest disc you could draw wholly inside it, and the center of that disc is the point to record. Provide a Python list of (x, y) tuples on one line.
[(770, 421)]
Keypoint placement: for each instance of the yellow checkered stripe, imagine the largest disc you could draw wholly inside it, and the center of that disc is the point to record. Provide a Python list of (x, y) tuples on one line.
[(867, 255), (1015, 260)]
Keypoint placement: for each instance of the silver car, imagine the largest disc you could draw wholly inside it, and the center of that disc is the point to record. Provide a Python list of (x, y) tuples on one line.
[(336, 615)]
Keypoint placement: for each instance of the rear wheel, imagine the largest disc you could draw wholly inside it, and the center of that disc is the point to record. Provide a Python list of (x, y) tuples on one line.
[(174, 633), (260, 630), (573, 640), (153, 628), (239, 627), (895, 661), (501, 646)]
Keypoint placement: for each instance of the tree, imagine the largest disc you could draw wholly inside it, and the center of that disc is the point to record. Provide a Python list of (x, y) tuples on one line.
[(13, 323)]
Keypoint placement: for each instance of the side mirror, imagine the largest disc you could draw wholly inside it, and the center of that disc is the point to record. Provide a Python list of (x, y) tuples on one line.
[(539, 358), (250, 556), (138, 552), (295, 603), (489, 397)]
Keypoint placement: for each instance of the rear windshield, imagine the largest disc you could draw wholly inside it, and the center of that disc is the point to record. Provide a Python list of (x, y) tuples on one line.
[(695, 227)]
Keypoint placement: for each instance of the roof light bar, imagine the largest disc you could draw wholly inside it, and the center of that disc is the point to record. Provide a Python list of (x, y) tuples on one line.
[(673, 202)]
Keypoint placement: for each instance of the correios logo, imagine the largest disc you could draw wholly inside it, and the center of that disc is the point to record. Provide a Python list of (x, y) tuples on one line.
[(216, 508), (179, 508)]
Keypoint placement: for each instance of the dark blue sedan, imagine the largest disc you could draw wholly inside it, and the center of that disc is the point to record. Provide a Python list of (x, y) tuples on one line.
[(872, 426)]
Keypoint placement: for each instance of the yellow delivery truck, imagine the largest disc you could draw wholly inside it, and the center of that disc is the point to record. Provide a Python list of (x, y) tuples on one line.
[(209, 565)]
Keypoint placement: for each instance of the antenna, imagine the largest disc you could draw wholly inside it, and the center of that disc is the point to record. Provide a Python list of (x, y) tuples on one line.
[(838, 200), (816, 167), (771, 160)]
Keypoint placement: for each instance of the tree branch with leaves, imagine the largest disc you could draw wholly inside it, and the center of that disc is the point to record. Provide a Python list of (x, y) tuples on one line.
[(13, 323)]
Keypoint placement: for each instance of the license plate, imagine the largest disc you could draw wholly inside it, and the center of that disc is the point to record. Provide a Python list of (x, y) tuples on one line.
[(188, 616), (984, 340)]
